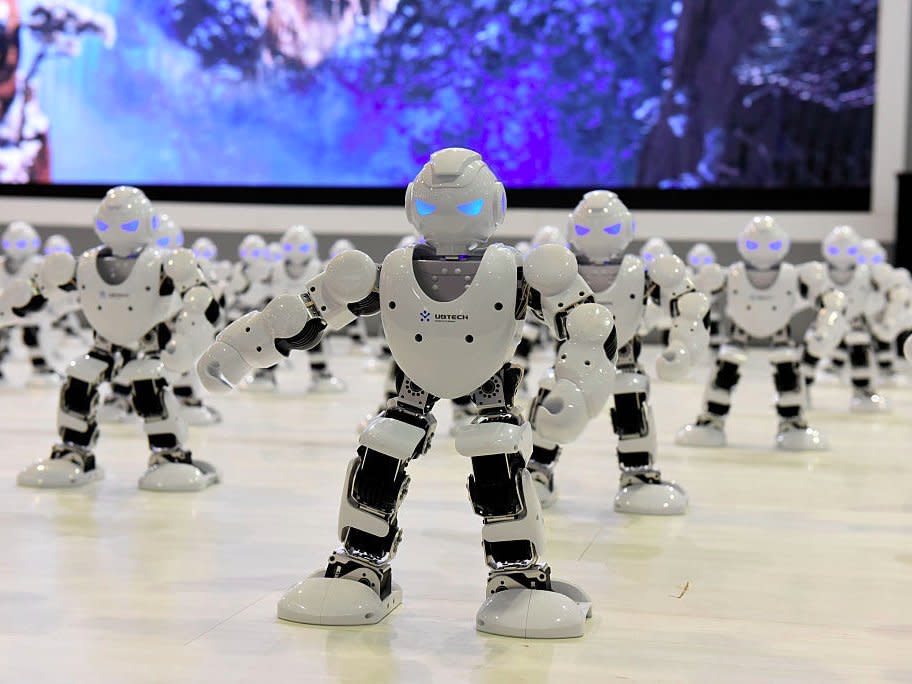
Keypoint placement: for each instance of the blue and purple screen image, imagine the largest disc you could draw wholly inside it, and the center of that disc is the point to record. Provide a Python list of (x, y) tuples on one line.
[(355, 93)]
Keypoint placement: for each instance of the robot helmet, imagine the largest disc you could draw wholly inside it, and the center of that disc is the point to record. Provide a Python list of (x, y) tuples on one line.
[(871, 252), (763, 243), (204, 249), (841, 247), (653, 248), (56, 244), (340, 246), (299, 245), (252, 249), (125, 221), (20, 241), (168, 235), (600, 228), (548, 235), (455, 201), (700, 255)]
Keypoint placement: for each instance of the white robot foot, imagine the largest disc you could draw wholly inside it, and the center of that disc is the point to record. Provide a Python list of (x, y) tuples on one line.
[(116, 409), (560, 613), (647, 493), (866, 401), (795, 436), (169, 472), (703, 433), (197, 413), (543, 481), (320, 600), (326, 383), (46, 377), (65, 468)]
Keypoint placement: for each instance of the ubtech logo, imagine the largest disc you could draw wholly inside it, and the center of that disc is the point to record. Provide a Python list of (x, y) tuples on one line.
[(424, 316)]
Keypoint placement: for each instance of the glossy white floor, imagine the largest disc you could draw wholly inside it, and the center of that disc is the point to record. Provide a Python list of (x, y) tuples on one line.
[(789, 567)]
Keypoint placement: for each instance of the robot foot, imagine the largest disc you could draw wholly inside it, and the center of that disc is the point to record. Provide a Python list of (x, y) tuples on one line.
[(866, 401), (526, 613), (326, 383), (199, 414), (66, 467), (703, 433), (794, 436), (647, 493), (320, 600), (116, 409), (45, 377), (543, 481), (174, 472)]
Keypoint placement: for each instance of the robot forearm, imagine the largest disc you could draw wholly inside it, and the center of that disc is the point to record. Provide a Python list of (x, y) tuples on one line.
[(19, 299), (830, 326), (688, 338)]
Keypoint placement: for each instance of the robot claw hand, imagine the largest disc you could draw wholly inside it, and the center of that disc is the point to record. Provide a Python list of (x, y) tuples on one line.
[(13, 298), (221, 367), (688, 339)]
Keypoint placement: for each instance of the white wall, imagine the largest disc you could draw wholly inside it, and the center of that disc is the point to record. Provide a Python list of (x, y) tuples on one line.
[(894, 81)]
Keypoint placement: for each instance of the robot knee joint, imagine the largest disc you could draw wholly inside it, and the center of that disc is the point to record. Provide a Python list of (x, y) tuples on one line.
[(483, 439), (398, 434), (90, 369)]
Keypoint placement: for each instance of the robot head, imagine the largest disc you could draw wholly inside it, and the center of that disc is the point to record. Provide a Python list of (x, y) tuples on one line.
[(455, 201), (340, 246), (548, 235), (274, 252), (700, 256), (299, 245), (20, 241), (653, 248), (841, 247), (252, 249), (524, 247), (871, 252), (600, 227), (169, 235), (204, 249), (763, 244), (56, 244), (125, 221)]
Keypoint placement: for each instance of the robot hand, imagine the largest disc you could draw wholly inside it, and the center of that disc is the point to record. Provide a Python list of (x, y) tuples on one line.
[(57, 270), (13, 299), (583, 375), (688, 340), (830, 326)]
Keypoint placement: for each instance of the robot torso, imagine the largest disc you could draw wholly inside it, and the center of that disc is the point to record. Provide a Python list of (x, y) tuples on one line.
[(761, 312), (621, 288)]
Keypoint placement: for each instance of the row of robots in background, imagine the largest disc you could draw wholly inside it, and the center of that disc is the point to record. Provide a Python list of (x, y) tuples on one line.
[(460, 315)]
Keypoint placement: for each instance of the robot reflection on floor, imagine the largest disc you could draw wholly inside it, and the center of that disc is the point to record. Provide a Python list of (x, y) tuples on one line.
[(842, 271), (127, 288), (601, 229), (452, 309), (762, 294), (701, 266), (21, 261)]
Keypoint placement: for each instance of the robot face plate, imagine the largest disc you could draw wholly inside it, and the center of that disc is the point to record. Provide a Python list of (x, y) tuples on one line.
[(871, 252), (700, 256), (841, 247), (653, 248), (204, 249), (252, 249), (763, 244), (455, 201), (20, 241), (168, 235), (56, 244), (600, 227), (299, 245), (125, 221)]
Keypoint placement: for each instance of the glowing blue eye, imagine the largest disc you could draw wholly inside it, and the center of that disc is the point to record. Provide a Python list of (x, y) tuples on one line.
[(163, 241), (130, 227), (776, 245), (861, 258), (21, 244), (695, 260), (101, 225), (243, 252), (852, 251), (877, 259), (707, 260), (424, 208), (155, 222), (613, 230), (472, 208), (648, 256), (581, 230), (255, 253), (750, 244), (288, 247), (833, 250), (304, 248), (36, 243), (633, 227)]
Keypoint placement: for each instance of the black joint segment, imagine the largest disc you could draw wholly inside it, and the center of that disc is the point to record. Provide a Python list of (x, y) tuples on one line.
[(308, 337), (534, 302), (523, 295), (82, 439), (861, 383), (163, 334), (462, 401), (368, 306), (512, 379), (627, 415), (77, 395), (213, 311), (803, 289), (36, 303), (183, 391), (809, 359), (340, 569), (524, 348), (727, 375), (147, 399), (611, 345), (544, 456), (166, 288), (510, 552), (371, 545), (493, 484), (786, 377), (30, 336), (378, 480), (656, 294), (858, 356), (717, 409), (666, 335), (788, 411), (166, 440), (634, 459)]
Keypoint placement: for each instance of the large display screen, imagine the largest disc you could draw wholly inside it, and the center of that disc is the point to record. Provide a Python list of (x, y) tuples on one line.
[(357, 93)]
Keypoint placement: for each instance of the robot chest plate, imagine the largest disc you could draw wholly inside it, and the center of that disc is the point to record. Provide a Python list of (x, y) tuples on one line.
[(761, 311), (451, 348), (625, 297), (123, 312)]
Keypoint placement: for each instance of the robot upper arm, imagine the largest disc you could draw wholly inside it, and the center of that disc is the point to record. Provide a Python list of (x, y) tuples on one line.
[(346, 289), (58, 270), (812, 280), (557, 286), (182, 268)]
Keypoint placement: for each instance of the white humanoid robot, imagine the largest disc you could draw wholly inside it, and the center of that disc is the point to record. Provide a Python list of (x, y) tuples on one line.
[(217, 272), (701, 260), (762, 294), (842, 271), (453, 311), (600, 230), (127, 289), (20, 261)]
